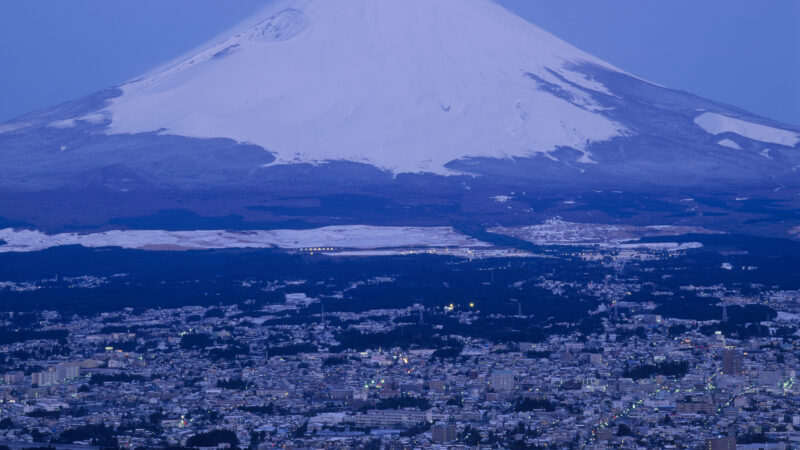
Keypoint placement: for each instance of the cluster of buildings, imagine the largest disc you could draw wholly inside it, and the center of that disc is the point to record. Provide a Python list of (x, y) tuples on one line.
[(53, 375), (162, 377)]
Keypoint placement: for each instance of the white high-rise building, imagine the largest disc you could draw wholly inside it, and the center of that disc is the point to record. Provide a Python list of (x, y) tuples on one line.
[(14, 377), (57, 374), (45, 378), (67, 371), (502, 381)]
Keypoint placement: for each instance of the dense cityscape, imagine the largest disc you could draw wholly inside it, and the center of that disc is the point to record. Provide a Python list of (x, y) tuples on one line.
[(284, 372)]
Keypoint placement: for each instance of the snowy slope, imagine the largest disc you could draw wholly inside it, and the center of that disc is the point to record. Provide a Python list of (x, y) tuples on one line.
[(406, 86), (717, 124), (354, 237)]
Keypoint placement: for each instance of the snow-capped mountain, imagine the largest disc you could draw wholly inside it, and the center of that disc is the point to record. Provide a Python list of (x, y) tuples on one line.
[(429, 109), (406, 86)]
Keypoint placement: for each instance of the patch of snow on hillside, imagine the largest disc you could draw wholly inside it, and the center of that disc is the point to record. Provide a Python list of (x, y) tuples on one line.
[(67, 123), (93, 118), (585, 82), (12, 126), (353, 236), (558, 232), (586, 158), (714, 123), (730, 144)]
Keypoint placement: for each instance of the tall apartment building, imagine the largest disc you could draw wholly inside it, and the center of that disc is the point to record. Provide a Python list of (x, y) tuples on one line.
[(436, 385), (57, 374), (44, 378), (388, 418), (67, 371), (723, 443), (14, 377), (502, 381), (443, 433), (732, 362)]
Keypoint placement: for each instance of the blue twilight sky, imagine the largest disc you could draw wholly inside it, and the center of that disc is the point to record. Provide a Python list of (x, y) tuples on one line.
[(742, 52)]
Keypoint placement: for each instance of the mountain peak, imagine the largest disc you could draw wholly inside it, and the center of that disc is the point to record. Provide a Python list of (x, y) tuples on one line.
[(405, 86)]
